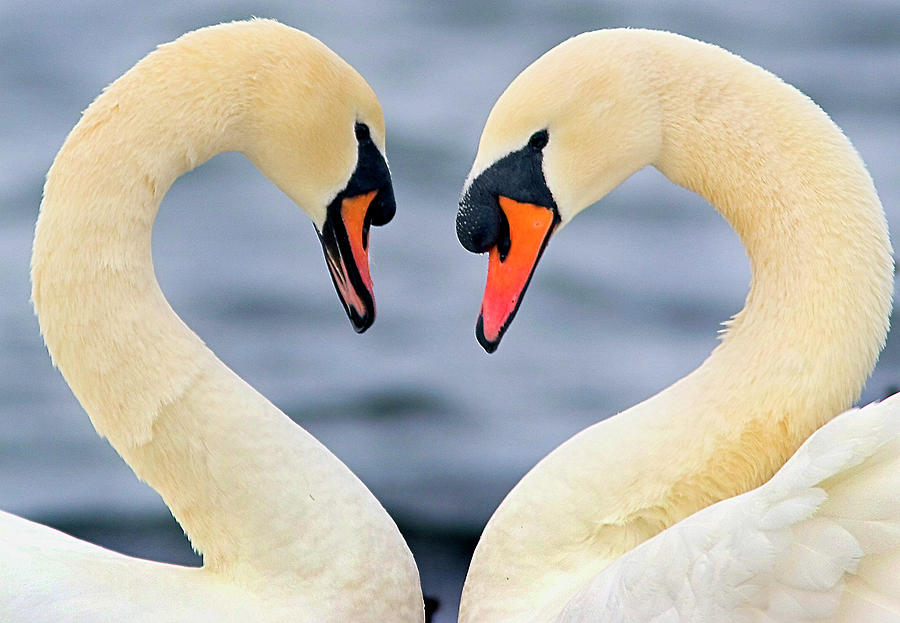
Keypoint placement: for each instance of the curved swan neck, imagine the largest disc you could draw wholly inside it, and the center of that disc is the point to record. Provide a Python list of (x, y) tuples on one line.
[(801, 201), (122, 349), (262, 500)]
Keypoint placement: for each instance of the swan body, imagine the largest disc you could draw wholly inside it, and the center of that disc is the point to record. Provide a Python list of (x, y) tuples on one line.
[(51, 576), (567, 130), (817, 542), (286, 531)]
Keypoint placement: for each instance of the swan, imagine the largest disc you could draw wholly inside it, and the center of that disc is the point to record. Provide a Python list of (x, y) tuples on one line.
[(819, 541), (287, 532)]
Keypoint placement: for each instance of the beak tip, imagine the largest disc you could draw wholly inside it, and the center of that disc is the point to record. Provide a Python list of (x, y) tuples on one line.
[(490, 346), (361, 323)]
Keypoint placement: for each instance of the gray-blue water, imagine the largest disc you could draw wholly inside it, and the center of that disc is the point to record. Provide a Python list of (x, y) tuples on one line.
[(627, 299)]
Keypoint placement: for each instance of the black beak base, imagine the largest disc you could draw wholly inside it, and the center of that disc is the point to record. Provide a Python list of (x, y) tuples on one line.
[(480, 223)]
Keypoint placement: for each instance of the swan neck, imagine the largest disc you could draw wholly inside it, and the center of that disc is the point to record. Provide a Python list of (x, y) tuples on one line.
[(803, 205), (122, 349)]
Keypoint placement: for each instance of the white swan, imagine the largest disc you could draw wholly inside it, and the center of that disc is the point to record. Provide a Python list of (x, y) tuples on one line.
[(286, 531), (821, 541)]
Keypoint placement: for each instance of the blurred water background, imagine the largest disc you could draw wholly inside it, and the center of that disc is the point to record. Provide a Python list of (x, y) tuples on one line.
[(627, 299)]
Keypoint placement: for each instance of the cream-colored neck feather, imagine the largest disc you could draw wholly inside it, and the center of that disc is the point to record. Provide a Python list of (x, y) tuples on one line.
[(798, 353), (265, 503)]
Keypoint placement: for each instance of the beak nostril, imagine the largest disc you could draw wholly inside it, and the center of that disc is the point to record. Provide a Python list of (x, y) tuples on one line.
[(367, 223), (504, 242)]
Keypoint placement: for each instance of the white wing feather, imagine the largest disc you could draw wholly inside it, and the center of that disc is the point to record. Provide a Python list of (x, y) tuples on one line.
[(819, 542)]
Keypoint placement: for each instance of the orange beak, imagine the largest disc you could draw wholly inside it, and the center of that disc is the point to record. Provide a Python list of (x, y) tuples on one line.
[(509, 273), (347, 255)]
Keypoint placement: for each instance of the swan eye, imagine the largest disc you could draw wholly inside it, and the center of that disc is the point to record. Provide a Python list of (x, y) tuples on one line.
[(362, 132), (539, 140)]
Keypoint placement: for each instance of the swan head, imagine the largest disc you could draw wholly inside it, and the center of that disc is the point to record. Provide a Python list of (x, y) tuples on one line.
[(316, 129), (566, 131)]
